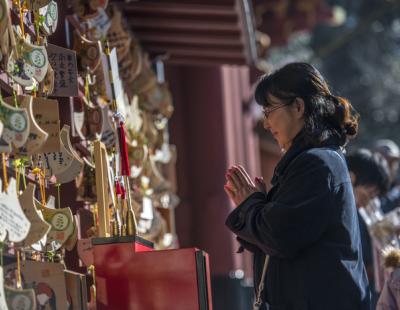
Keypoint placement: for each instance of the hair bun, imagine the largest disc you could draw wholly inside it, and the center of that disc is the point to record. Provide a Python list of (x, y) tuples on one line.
[(344, 117), (340, 106), (351, 129)]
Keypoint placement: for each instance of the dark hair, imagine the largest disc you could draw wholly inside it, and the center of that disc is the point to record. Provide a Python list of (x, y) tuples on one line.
[(325, 115), (369, 169)]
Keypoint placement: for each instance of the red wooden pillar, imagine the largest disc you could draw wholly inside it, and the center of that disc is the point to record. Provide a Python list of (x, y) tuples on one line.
[(212, 131)]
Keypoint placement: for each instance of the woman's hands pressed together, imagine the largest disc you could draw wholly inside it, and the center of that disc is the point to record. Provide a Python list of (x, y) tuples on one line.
[(239, 185)]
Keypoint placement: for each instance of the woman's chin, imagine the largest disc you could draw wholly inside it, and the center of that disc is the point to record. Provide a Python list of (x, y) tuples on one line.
[(281, 147), (280, 142)]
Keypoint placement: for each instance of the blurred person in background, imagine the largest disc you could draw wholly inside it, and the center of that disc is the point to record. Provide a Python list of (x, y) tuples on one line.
[(370, 176), (389, 149), (304, 232), (390, 295)]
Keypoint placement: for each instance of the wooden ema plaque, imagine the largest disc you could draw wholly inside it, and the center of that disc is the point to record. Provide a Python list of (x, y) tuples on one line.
[(157, 280)]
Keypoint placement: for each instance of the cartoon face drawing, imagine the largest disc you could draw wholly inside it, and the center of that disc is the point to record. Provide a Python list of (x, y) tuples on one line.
[(46, 299)]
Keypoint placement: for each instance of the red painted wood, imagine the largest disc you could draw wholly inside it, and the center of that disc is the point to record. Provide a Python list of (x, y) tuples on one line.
[(176, 10), (161, 280), (174, 28), (178, 24), (185, 39), (142, 248)]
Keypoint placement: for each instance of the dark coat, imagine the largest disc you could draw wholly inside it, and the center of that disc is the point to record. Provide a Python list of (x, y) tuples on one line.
[(308, 225)]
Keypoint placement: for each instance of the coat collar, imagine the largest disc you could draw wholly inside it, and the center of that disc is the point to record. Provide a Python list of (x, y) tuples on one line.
[(299, 145)]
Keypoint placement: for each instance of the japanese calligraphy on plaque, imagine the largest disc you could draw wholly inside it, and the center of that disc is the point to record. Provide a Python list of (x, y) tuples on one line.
[(46, 114), (63, 62)]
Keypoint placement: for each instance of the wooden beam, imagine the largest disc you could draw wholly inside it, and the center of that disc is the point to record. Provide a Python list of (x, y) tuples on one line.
[(178, 10), (196, 52), (204, 61), (162, 24), (216, 31), (186, 39), (233, 34), (182, 2)]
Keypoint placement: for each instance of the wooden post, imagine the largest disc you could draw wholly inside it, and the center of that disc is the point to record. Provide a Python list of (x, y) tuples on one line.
[(100, 158)]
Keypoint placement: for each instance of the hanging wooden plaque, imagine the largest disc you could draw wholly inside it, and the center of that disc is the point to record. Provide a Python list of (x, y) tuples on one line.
[(64, 64), (46, 114)]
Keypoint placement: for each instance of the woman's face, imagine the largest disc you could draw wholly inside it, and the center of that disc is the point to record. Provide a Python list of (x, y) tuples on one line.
[(364, 194), (284, 119)]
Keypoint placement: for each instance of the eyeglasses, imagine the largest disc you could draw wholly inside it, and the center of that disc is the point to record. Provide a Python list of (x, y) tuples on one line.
[(268, 112)]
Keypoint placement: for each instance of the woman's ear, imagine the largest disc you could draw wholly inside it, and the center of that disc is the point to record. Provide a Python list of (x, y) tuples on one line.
[(299, 105)]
